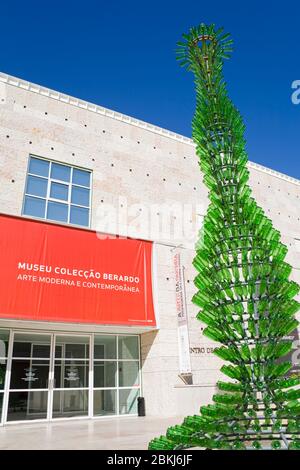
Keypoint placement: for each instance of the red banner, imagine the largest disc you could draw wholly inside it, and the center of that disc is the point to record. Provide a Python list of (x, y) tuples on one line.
[(55, 273)]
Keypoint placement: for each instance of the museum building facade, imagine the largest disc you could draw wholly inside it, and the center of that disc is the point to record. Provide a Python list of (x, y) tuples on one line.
[(99, 213)]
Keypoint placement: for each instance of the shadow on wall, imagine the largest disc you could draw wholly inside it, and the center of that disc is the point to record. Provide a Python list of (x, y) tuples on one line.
[(147, 340)]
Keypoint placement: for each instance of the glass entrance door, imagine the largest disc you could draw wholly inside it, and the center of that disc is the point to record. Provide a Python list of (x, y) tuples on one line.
[(70, 395), (49, 377), (29, 377)]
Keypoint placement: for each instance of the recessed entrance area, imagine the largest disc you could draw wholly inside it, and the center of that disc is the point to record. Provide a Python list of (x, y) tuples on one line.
[(48, 376)]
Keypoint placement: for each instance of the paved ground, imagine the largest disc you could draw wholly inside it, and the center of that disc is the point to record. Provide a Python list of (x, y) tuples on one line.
[(106, 434)]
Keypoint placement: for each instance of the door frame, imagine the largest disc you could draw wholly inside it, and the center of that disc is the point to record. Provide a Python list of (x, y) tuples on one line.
[(53, 334), (51, 377), (50, 388)]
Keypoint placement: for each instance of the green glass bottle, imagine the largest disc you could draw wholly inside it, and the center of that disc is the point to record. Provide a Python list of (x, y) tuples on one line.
[(256, 445), (276, 445)]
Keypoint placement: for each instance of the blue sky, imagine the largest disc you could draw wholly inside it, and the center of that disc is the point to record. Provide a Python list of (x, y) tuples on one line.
[(121, 55)]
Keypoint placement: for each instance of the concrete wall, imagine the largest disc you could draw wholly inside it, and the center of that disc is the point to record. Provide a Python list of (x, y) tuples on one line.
[(145, 165)]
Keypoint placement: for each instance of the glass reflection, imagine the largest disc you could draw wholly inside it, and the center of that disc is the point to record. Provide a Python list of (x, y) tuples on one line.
[(26, 373), (105, 374), (31, 345), (128, 401), (4, 338), (72, 347), (3, 364), (105, 347), (128, 374), (128, 347), (104, 402), (70, 403), (27, 405), (71, 374)]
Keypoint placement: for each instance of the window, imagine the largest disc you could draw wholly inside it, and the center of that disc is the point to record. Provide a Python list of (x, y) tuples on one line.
[(116, 374), (54, 375), (57, 192)]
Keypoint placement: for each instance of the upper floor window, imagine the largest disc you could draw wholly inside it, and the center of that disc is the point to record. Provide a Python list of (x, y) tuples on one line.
[(56, 191)]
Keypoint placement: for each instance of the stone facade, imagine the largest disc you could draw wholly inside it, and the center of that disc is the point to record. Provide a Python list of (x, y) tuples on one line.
[(146, 166)]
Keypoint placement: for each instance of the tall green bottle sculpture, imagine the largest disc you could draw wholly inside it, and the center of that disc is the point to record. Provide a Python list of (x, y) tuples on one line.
[(244, 293)]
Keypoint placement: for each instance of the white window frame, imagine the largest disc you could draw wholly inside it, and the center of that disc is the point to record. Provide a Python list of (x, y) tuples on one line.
[(48, 198)]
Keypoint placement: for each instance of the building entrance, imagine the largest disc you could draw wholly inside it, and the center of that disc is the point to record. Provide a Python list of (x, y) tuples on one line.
[(48, 376)]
